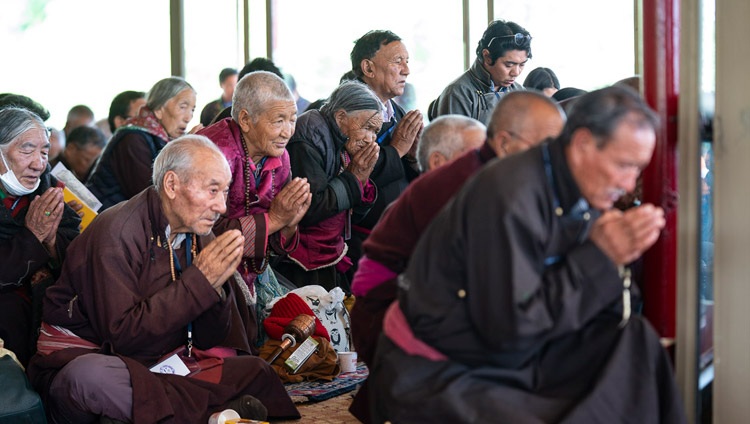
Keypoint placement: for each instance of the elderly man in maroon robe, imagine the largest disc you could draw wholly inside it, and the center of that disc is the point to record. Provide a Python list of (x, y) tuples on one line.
[(522, 119), (515, 305), (147, 322)]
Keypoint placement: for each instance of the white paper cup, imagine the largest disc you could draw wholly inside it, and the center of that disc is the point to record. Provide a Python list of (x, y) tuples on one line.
[(348, 361), (223, 416)]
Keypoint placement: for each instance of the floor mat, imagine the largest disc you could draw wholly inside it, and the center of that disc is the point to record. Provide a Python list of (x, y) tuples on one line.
[(316, 391)]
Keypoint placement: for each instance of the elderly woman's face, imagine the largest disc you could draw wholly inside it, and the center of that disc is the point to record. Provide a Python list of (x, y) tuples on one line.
[(177, 112), (27, 156), (269, 134), (360, 127)]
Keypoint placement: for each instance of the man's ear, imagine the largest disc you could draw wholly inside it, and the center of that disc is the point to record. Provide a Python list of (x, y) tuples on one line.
[(499, 141), (171, 184), (436, 160), (367, 68), (486, 60), (582, 139)]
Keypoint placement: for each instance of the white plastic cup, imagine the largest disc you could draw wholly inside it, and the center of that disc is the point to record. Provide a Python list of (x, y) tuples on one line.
[(348, 361), (223, 416)]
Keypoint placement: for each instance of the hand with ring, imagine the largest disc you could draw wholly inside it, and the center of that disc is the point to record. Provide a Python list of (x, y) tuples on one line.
[(44, 215)]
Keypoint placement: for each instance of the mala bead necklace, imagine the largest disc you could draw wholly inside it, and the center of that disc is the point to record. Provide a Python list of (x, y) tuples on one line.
[(193, 252), (248, 172)]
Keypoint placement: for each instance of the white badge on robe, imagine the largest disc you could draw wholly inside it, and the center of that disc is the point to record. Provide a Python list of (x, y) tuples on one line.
[(172, 365)]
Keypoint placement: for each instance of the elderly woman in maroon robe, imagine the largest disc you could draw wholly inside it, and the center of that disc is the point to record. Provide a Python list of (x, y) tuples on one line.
[(147, 323)]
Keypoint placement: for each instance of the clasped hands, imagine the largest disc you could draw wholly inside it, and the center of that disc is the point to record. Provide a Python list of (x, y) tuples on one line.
[(289, 207), (624, 236), (44, 215)]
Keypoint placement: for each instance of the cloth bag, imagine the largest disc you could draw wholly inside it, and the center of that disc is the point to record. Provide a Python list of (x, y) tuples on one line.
[(328, 307), (19, 403), (321, 365)]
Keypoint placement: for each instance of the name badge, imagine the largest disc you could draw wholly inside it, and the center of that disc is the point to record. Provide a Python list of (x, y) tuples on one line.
[(172, 365)]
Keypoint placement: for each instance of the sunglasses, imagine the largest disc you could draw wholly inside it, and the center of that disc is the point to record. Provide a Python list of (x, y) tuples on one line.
[(518, 38)]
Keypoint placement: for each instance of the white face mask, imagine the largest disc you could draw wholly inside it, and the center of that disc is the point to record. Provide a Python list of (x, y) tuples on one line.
[(11, 183)]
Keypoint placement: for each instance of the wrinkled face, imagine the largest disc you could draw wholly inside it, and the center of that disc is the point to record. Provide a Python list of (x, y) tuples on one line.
[(507, 68), (386, 72), (198, 202), (177, 112), (605, 174), (360, 127), (272, 131), (81, 159), (27, 156)]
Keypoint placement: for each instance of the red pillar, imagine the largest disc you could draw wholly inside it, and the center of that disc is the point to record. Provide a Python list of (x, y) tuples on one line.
[(661, 47)]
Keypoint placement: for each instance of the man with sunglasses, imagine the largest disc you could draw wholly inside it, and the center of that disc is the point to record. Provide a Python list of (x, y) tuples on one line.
[(502, 53)]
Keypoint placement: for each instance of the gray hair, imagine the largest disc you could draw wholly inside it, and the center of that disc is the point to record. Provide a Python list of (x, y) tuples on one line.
[(351, 96), (165, 90), (15, 121), (444, 135), (179, 156), (255, 90)]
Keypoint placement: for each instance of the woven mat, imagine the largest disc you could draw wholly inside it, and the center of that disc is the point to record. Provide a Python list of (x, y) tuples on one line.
[(316, 391)]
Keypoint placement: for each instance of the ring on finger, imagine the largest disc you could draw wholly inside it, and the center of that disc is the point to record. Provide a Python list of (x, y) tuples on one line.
[(47, 213)]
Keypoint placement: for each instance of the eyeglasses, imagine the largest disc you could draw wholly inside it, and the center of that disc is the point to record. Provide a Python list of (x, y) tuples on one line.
[(519, 39)]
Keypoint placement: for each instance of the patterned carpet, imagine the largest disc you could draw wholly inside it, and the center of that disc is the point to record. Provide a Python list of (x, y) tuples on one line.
[(331, 411), (314, 391), (320, 402)]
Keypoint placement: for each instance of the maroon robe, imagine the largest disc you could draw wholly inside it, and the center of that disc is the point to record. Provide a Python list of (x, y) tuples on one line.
[(392, 242), (393, 239), (116, 291), (506, 284)]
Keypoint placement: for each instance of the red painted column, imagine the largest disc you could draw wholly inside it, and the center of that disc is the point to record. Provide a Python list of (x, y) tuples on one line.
[(660, 32)]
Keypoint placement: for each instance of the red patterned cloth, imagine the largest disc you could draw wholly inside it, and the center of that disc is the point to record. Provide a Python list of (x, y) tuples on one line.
[(147, 121)]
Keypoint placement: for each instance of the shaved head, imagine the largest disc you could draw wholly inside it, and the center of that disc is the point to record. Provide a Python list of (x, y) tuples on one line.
[(523, 119)]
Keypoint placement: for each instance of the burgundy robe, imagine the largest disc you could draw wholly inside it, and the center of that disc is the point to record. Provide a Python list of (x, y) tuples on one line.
[(392, 242), (116, 291), (526, 309), (389, 247)]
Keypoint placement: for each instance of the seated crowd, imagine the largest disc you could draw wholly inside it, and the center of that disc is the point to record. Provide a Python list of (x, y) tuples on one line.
[(482, 252)]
